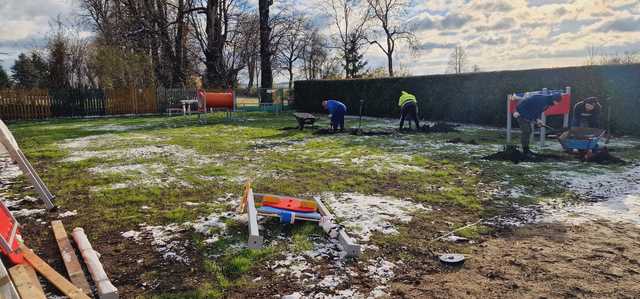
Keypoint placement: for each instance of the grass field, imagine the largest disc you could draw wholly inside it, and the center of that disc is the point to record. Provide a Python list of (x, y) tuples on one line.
[(157, 196)]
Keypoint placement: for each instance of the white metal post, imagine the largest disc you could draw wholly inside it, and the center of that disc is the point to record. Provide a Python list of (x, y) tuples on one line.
[(255, 240), (565, 122), (543, 129), (509, 119)]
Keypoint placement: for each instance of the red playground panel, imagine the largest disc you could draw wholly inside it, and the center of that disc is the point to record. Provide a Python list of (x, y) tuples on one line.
[(562, 108), (10, 235)]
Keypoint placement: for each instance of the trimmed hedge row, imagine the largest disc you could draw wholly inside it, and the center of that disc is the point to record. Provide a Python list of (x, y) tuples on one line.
[(480, 98)]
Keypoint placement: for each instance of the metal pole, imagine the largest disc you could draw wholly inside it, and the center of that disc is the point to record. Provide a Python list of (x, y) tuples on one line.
[(509, 119)]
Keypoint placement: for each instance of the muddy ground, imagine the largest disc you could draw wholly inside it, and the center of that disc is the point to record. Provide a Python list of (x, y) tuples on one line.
[(594, 260), (140, 185)]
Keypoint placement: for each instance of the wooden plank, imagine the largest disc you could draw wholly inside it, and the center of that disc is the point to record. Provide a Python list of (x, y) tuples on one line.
[(27, 282), (65, 286), (74, 269), (7, 289), (106, 290), (328, 224), (255, 240)]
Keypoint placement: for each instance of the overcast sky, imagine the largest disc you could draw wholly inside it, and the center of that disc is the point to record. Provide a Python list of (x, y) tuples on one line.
[(497, 35)]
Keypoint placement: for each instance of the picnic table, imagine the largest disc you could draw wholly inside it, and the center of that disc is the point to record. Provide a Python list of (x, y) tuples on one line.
[(304, 119)]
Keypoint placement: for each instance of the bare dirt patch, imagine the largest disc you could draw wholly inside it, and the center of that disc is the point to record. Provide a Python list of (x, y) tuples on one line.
[(594, 260)]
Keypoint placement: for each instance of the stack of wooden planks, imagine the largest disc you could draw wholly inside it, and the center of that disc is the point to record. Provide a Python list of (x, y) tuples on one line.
[(21, 281)]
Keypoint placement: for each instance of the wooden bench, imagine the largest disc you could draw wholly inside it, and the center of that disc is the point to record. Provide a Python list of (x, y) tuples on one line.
[(304, 119)]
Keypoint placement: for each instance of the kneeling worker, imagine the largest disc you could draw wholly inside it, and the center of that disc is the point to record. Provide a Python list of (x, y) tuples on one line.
[(586, 113), (337, 110), (528, 112), (408, 107)]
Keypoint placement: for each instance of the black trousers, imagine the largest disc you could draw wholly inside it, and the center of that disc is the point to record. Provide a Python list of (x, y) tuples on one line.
[(409, 111)]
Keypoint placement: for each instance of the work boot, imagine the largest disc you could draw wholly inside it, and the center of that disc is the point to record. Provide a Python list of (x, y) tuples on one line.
[(527, 152)]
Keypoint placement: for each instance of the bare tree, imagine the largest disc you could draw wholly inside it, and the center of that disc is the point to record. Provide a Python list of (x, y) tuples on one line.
[(351, 19), (458, 61), (592, 52), (389, 16), (628, 57), (292, 44)]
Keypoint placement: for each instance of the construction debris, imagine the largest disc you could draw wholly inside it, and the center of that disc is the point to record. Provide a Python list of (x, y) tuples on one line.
[(452, 259), (66, 287), (290, 210), (27, 282), (71, 263), (106, 290), (7, 289)]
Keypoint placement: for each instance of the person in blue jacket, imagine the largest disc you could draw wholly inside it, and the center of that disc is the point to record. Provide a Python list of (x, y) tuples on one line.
[(528, 113), (337, 111)]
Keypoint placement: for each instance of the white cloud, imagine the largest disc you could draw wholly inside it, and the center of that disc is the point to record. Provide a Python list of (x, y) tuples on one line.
[(24, 23), (498, 34)]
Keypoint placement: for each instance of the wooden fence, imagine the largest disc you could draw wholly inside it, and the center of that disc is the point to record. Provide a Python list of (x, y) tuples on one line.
[(77, 102), (24, 104)]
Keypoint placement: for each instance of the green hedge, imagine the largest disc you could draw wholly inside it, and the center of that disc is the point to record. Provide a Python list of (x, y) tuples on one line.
[(480, 98)]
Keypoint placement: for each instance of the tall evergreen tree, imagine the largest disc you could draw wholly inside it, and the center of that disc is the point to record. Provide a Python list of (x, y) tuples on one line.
[(30, 72), (4, 78), (58, 66), (41, 70), (354, 59), (23, 72)]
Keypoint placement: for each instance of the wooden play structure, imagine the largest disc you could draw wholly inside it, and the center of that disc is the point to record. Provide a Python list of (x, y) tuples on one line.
[(290, 210), (562, 109)]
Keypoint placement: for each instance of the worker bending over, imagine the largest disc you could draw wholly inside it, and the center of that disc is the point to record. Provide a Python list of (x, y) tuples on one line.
[(529, 110), (586, 113), (408, 107), (337, 110)]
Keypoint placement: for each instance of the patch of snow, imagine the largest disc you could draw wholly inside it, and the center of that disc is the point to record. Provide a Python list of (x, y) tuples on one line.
[(625, 209), (381, 270), (613, 196), (365, 214), (27, 212), (144, 169), (10, 171), (378, 292), (117, 128), (164, 239), (68, 214), (132, 234)]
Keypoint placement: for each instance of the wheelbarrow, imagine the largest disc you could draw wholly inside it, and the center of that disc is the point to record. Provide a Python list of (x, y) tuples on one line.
[(584, 142)]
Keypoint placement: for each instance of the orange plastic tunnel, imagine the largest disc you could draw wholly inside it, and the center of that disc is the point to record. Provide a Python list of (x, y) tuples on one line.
[(218, 99)]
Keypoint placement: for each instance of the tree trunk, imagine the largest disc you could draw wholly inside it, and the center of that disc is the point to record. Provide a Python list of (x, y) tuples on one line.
[(265, 53), (390, 61), (290, 75), (178, 62), (215, 74)]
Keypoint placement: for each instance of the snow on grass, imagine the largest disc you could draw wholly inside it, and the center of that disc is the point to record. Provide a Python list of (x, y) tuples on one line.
[(68, 214), (365, 214), (165, 239), (613, 196), (323, 273), (28, 212), (144, 169), (175, 153), (169, 241), (10, 170), (117, 128)]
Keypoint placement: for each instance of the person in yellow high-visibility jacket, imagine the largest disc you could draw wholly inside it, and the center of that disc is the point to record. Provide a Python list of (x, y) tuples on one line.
[(408, 108)]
